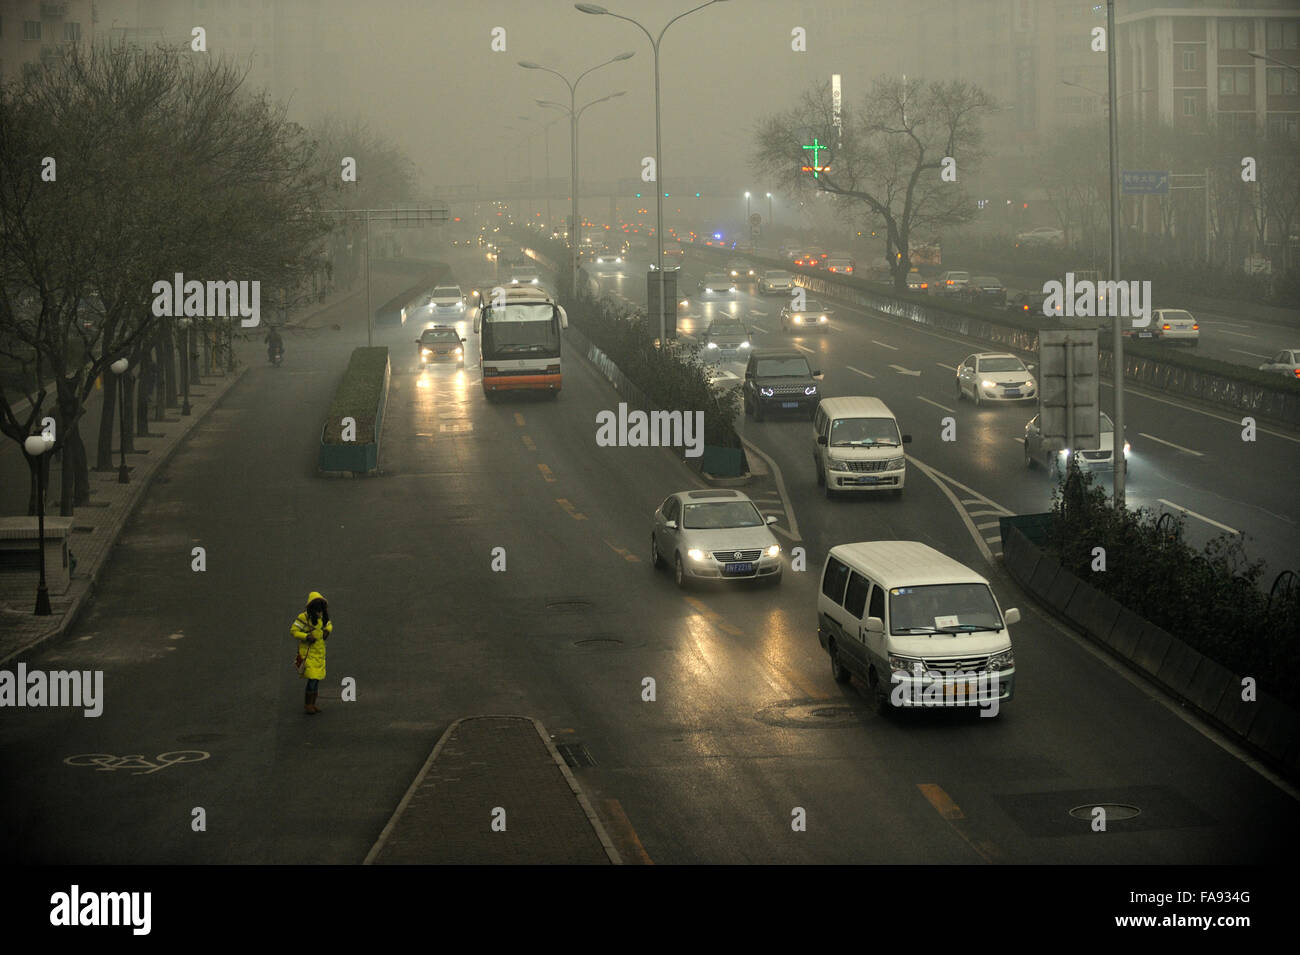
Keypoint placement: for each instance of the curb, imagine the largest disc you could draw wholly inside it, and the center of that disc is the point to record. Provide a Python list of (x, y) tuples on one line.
[(606, 843), (141, 487)]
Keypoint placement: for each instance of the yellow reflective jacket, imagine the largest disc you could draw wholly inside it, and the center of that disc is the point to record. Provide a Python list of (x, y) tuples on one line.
[(301, 629)]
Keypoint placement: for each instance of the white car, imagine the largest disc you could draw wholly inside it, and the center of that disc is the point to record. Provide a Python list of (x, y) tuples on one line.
[(1044, 235), (740, 271), (714, 534), (995, 376), (1284, 363), (1101, 458), (447, 300), (525, 277), (1167, 325), (953, 283), (717, 285), (775, 282)]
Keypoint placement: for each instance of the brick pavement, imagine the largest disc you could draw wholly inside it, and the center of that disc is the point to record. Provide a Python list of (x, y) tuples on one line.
[(486, 768)]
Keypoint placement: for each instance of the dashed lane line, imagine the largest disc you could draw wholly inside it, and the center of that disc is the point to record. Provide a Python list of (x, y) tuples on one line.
[(936, 404), (885, 345), (546, 473), (864, 374), (1199, 517), (1179, 447)]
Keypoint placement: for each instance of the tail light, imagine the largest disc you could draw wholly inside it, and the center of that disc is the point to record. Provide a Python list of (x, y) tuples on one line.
[(1164, 327), (1196, 327)]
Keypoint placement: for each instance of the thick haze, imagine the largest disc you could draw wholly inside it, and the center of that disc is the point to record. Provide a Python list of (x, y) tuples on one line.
[(425, 75)]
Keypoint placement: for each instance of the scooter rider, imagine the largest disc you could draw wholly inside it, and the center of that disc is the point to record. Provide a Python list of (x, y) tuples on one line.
[(274, 344)]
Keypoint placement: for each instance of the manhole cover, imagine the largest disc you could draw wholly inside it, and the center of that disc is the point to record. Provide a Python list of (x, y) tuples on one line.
[(1115, 811), (599, 643), (811, 714), (568, 606)]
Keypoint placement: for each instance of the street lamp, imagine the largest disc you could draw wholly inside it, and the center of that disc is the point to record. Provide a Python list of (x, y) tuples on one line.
[(185, 324), (769, 211), (119, 368), (575, 226), (746, 208), (36, 445), (1273, 60), (596, 10)]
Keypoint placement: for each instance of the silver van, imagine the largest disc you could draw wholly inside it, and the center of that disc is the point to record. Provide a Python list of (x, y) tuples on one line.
[(919, 628), (857, 446)]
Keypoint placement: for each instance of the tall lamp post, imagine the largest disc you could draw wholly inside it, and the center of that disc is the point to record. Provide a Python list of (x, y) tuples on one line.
[(185, 324), (37, 445), (574, 227), (119, 368), (747, 209), (769, 210), (596, 10)]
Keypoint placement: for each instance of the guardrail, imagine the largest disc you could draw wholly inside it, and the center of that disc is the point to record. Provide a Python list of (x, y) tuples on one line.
[(1281, 404)]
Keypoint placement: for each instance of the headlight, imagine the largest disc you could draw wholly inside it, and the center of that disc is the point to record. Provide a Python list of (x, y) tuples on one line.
[(712, 345), (821, 318), (774, 550), (1127, 448), (1031, 383), (766, 392), (906, 665), (460, 306), (424, 351), (798, 319), (987, 384), (709, 290), (744, 344), (810, 390), (732, 289), (1002, 661), (695, 554), (837, 465), (458, 352), (1063, 453)]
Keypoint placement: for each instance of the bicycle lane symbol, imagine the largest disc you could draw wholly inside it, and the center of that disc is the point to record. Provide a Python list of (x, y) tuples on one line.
[(107, 762)]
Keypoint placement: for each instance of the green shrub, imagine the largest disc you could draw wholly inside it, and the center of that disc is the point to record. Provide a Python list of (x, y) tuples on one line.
[(358, 395)]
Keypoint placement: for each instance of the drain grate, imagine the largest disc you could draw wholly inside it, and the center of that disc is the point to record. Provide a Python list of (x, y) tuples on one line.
[(575, 754)]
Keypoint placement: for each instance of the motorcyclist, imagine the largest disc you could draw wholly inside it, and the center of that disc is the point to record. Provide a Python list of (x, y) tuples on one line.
[(274, 344)]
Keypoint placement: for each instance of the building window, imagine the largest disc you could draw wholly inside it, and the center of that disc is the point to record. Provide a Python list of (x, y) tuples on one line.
[(1235, 81), (1189, 105), (1282, 82), (1280, 35), (1284, 126), (1189, 60), (72, 32), (31, 29), (1244, 123), (1234, 34)]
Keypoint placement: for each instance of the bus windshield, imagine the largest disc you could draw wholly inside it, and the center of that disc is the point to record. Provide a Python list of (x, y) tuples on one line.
[(521, 331)]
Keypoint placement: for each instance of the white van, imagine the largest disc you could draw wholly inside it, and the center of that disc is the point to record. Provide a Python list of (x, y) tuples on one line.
[(857, 446), (919, 628)]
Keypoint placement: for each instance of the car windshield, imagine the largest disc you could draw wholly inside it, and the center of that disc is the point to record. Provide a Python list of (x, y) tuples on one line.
[(446, 291), (716, 278), (1176, 316), (783, 368), (809, 306), (943, 608), (1001, 364), (864, 432), (727, 328), (1106, 424), (440, 335), (955, 276), (721, 514), (777, 276)]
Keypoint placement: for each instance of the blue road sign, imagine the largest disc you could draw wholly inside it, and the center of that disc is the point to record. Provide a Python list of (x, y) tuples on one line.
[(1144, 182)]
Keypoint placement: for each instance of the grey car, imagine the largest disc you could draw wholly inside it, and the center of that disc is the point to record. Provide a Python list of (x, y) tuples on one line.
[(715, 534)]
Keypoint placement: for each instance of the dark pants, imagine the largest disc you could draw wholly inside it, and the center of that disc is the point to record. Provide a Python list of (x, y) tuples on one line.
[(313, 686)]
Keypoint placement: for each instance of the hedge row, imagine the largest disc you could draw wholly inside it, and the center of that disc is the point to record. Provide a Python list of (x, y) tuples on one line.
[(1211, 599), (358, 396), (673, 378)]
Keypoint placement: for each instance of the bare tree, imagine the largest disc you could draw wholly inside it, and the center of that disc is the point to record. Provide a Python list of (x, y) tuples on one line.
[(888, 156)]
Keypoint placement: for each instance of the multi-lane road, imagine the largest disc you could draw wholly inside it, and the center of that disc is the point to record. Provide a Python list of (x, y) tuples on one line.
[(746, 725)]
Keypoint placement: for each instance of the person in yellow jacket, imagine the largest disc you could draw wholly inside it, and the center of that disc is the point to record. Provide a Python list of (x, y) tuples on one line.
[(311, 629)]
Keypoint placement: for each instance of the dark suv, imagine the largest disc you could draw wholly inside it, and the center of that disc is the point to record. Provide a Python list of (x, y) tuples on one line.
[(779, 380)]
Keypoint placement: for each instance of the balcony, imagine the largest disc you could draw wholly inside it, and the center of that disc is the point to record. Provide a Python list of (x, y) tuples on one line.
[(53, 9)]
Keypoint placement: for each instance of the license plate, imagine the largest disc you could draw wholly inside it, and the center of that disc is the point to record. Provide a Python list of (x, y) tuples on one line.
[(1013, 393), (789, 404), (868, 480), (963, 691), (738, 568), (1144, 334)]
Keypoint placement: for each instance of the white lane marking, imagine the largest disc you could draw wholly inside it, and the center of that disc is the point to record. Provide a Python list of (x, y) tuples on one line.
[(934, 476), (995, 539), (905, 371), (1252, 354), (1238, 334), (884, 345), (936, 404), (760, 330), (949, 367), (985, 514), (1217, 323), (987, 524), (864, 374), (802, 348), (971, 500), (780, 488), (1190, 513), (757, 312), (1152, 437)]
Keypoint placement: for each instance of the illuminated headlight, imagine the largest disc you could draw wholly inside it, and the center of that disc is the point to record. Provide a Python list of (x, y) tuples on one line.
[(744, 344), (1031, 384), (731, 289), (713, 345), (695, 554), (1063, 453), (798, 319), (766, 392), (988, 384), (460, 306), (534, 282), (1002, 661), (822, 318), (458, 352), (774, 550), (709, 290), (514, 281), (426, 351), (810, 390), (599, 260), (1127, 448), (618, 261)]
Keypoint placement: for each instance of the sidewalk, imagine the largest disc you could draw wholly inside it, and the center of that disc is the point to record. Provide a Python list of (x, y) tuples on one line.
[(97, 525), (494, 791)]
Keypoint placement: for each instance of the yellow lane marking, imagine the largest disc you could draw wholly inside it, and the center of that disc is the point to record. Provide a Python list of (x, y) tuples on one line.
[(951, 813), (621, 828), (714, 618), (627, 555), (546, 473), (528, 443), (519, 419), (568, 507)]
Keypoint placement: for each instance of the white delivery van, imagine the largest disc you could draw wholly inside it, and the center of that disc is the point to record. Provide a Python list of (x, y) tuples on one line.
[(919, 628), (857, 446)]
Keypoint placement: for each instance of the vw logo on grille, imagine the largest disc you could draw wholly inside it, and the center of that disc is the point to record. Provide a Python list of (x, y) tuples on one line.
[(736, 555)]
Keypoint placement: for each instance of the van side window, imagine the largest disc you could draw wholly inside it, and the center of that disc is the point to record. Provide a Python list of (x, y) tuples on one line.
[(877, 607), (670, 509), (833, 581), (855, 598)]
